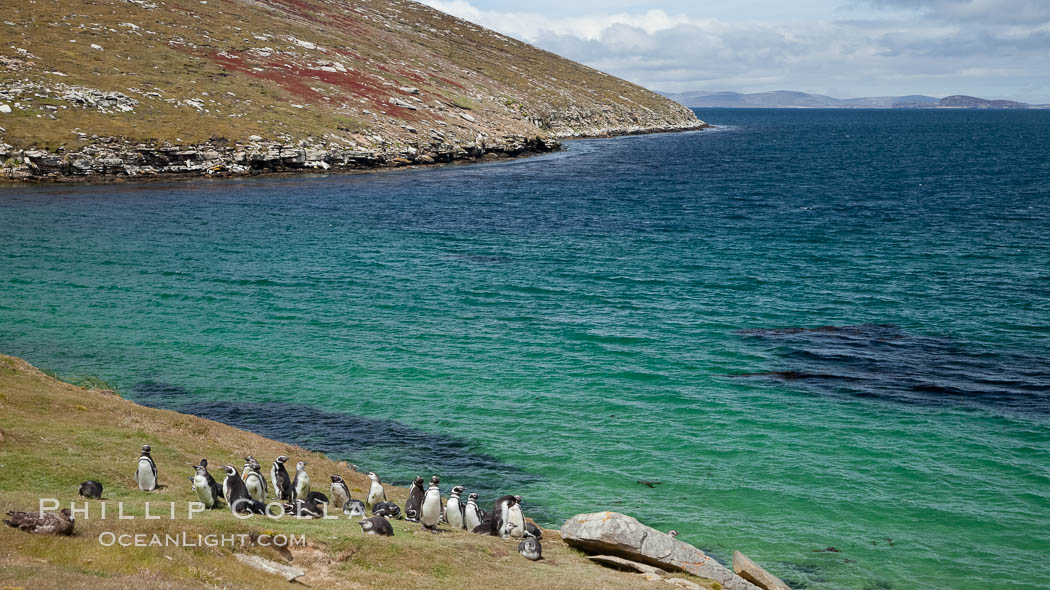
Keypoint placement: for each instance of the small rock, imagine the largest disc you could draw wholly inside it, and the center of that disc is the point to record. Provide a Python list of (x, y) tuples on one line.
[(683, 583), (467, 117), (625, 564), (752, 572), (652, 577), (254, 138), (5, 108), (408, 90), (96, 46)]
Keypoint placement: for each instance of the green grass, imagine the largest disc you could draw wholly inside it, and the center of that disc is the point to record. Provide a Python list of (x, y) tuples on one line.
[(56, 435)]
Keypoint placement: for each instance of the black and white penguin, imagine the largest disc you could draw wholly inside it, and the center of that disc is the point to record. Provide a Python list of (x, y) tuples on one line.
[(377, 525), (237, 495), (473, 515), (531, 549), (500, 512), (317, 498), (301, 508), (387, 509), (431, 511), (340, 492), (254, 481), (354, 508), (91, 489), (205, 486), (415, 500), (533, 531), (301, 483), (514, 526), (376, 493), (216, 489), (282, 484), (146, 472), (454, 509), (673, 533)]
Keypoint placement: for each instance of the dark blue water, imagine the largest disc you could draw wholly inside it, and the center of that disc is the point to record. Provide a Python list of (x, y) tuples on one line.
[(815, 328)]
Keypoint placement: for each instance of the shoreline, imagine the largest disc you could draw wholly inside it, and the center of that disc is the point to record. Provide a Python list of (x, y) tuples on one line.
[(43, 418), (117, 161)]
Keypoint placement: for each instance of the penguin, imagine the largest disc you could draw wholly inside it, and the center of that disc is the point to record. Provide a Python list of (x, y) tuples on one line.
[(500, 512), (530, 548), (376, 493), (354, 508), (301, 483), (282, 484), (377, 525), (203, 485), (146, 473), (340, 492), (237, 495), (431, 511), (673, 533), (317, 498), (216, 489), (454, 511), (91, 489), (533, 531), (472, 515), (254, 482), (415, 500), (514, 526), (303, 509), (387, 509)]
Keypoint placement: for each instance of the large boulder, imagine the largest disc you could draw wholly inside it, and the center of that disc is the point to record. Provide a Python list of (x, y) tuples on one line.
[(618, 534), (754, 573)]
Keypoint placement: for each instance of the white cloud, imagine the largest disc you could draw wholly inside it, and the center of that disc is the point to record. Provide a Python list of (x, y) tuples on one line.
[(936, 47)]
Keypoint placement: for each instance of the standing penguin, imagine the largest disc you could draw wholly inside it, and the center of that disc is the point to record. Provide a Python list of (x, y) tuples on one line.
[(431, 513), (515, 525), (340, 492), (255, 482), (247, 466), (454, 510), (282, 484), (216, 489), (205, 486), (237, 495), (146, 473), (472, 515), (301, 483), (415, 500), (498, 518), (376, 493)]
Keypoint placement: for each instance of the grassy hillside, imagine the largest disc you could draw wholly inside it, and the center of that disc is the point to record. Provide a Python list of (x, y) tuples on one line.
[(53, 435), (358, 74)]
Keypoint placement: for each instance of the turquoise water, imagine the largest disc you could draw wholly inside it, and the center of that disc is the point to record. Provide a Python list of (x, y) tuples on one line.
[(816, 329)]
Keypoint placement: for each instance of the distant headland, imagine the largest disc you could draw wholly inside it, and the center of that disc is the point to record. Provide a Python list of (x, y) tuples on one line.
[(790, 99)]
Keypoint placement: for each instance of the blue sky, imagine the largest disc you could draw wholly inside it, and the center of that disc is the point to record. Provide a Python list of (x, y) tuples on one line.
[(843, 48)]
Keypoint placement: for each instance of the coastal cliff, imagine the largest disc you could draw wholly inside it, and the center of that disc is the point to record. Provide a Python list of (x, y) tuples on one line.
[(135, 88)]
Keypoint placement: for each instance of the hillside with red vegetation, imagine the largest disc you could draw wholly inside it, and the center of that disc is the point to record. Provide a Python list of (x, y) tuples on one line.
[(231, 83)]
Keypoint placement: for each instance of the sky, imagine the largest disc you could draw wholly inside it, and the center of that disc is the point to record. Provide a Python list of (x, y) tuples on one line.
[(841, 48)]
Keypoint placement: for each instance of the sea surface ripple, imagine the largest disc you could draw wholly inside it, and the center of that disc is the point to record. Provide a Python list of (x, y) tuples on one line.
[(816, 329)]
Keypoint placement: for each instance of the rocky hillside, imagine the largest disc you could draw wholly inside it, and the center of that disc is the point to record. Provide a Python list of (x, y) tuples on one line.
[(143, 87)]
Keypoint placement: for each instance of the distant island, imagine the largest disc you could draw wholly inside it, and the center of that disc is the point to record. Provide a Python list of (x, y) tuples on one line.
[(789, 99)]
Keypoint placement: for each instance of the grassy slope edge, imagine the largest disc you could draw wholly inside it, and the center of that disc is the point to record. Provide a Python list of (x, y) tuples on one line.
[(53, 435)]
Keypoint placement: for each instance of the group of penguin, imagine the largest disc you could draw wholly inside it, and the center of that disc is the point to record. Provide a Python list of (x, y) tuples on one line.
[(248, 490)]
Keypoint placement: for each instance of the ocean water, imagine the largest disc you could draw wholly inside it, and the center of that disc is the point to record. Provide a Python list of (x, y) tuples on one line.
[(824, 333)]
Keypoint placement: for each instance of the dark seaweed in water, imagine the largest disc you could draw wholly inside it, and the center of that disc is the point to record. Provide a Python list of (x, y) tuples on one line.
[(885, 361), (347, 436)]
